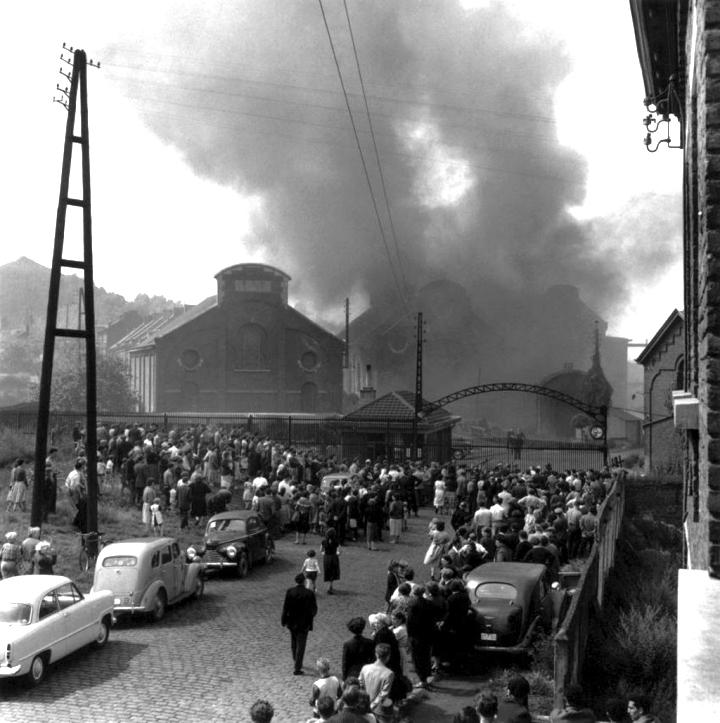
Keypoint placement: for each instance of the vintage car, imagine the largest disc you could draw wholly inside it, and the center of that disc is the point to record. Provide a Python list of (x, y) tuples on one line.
[(510, 600), (335, 481), (44, 618), (145, 575), (234, 540)]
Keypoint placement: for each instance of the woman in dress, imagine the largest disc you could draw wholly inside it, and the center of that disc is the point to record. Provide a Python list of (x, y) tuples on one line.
[(10, 555), (302, 513), (439, 543), (18, 487), (439, 499), (331, 558)]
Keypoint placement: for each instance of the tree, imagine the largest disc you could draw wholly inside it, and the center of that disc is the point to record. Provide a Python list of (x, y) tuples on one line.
[(114, 388)]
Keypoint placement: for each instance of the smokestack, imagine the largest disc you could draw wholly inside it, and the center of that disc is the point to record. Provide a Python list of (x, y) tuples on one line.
[(367, 393)]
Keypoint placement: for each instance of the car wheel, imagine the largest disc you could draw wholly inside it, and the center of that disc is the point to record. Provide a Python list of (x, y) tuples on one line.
[(269, 552), (37, 670), (103, 634), (243, 566), (159, 605), (199, 587)]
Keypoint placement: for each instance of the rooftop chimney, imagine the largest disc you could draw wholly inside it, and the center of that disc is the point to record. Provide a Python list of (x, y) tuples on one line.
[(367, 393)]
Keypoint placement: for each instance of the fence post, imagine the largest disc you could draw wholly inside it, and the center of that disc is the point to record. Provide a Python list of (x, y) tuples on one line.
[(289, 437), (562, 668)]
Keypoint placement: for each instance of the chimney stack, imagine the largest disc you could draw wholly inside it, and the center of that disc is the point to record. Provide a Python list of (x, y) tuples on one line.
[(367, 393)]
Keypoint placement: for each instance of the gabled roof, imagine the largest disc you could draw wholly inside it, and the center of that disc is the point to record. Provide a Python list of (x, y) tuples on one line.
[(398, 405), (660, 336)]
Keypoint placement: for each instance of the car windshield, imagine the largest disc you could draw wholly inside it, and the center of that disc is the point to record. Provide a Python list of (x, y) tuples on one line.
[(231, 524), (497, 590), (15, 613), (120, 561)]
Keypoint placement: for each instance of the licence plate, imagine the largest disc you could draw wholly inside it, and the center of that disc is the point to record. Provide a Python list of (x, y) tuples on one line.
[(488, 636)]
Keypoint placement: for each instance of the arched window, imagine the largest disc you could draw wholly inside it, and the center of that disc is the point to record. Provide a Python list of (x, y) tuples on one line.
[(680, 374), (308, 397), (253, 347)]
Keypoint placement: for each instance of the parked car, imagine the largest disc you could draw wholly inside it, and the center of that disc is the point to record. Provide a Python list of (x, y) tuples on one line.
[(335, 481), (509, 600), (44, 618), (234, 540), (145, 575)]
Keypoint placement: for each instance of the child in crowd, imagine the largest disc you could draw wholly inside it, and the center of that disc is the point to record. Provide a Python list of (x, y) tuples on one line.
[(310, 568), (325, 710), (326, 685), (156, 517)]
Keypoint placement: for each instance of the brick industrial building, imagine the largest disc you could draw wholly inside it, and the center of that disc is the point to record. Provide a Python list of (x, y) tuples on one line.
[(244, 349)]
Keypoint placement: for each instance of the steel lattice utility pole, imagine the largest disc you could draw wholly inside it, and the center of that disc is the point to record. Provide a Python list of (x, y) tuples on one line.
[(78, 85)]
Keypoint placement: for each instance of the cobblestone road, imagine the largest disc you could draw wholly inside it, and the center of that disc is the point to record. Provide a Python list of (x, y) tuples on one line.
[(210, 660)]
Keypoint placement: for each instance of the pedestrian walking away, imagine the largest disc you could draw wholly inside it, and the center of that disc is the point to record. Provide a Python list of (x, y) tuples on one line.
[(299, 609)]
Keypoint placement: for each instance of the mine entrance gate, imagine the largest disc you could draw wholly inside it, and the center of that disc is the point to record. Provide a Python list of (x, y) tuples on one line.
[(590, 452)]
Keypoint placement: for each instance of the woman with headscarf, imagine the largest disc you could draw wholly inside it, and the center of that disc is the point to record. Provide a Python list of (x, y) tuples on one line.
[(10, 555), (28, 549)]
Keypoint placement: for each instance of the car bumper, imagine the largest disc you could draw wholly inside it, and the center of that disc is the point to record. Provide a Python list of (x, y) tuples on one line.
[(9, 671)]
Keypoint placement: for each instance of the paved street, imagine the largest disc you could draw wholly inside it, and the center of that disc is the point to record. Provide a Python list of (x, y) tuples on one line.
[(210, 660)]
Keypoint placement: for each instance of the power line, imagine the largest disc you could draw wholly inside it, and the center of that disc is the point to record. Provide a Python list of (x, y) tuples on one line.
[(334, 109), (401, 292), (454, 108), (377, 154), (318, 70), (295, 121)]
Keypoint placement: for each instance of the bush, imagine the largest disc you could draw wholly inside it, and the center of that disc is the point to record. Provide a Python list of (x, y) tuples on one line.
[(644, 644)]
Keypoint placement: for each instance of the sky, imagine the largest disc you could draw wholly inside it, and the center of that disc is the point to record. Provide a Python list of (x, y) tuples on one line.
[(501, 148)]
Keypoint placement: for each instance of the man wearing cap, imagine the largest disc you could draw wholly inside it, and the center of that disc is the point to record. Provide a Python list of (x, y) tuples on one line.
[(299, 609)]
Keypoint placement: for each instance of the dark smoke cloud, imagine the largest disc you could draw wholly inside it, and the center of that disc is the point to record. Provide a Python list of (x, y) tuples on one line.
[(249, 92)]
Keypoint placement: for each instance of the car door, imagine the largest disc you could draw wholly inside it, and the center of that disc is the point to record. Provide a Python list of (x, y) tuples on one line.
[(50, 633), (255, 538), (77, 616), (179, 568), (167, 572)]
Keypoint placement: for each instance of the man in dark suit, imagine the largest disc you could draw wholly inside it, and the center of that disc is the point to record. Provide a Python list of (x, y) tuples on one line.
[(299, 609)]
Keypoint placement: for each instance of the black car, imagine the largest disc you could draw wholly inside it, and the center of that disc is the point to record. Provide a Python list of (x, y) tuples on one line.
[(236, 540), (510, 600)]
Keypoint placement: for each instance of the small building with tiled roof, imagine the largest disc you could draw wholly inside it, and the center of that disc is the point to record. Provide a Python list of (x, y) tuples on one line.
[(384, 428), (243, 350), (663, 360)]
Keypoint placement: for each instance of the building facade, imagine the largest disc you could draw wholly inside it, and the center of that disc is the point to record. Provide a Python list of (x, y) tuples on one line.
[(678, 45), (663, 362), (244, 350)]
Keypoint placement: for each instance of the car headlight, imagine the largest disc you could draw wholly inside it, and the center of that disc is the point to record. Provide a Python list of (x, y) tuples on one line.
[(231, 551), (191, 553)]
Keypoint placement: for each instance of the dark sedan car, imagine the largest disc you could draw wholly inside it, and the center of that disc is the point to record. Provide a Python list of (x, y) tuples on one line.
[(236, 540), (509, 599)]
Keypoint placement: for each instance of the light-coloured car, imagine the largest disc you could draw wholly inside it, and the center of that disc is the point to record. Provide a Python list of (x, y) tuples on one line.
[(44, 618), (145, 575), (335, 481)]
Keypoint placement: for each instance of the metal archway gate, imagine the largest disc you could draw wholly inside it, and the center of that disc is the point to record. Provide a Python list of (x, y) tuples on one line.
[(587, 453)]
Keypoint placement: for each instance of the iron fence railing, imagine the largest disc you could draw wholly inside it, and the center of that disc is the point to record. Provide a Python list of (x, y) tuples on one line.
[(571, 639), (330, 435)]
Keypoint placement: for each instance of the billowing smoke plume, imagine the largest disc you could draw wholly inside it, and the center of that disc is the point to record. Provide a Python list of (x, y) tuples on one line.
[(461, 104)]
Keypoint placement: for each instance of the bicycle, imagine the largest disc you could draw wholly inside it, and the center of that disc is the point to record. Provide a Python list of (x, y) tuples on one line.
[(87, 560)]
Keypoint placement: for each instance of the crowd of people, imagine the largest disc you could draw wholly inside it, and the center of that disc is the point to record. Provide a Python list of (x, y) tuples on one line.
[(538, 515)]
